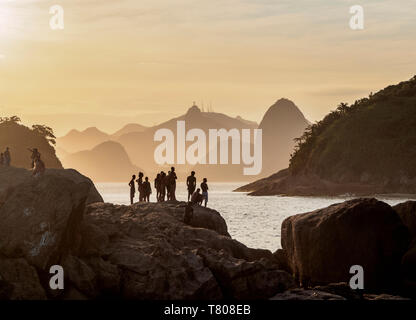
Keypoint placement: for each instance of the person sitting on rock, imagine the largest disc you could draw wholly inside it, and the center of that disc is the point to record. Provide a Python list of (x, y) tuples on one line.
[(191, 183), (7, 157), (189, 213), (147, 189), (196, 197), (132, 189)]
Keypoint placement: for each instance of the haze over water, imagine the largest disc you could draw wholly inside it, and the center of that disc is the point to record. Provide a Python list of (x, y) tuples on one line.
[(254, 221)]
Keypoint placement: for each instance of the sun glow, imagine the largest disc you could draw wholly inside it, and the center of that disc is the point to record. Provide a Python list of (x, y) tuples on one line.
[(6, 17)]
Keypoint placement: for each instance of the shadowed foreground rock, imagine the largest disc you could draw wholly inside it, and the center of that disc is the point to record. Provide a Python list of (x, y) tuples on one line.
[(321, 246), (143, 251), (147, 252), (11, 177), (407, 213), (288, 184)]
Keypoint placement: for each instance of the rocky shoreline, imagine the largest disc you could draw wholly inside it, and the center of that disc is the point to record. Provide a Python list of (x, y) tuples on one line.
[(147, 252), (286, 184)]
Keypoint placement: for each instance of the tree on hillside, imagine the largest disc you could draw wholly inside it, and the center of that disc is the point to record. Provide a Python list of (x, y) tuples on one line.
[(13, 119), (20, 138), (46, 132), (375, 137)]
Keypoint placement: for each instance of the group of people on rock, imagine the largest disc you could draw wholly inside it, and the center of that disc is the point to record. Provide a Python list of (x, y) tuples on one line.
[(37, 165), (165, 185), (5, 158)]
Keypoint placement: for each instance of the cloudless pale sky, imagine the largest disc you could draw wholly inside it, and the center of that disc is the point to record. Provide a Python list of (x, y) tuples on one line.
[(148, 60)]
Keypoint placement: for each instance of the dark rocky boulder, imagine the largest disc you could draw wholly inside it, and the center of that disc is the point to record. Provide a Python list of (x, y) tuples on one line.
[(144, 251), (19, 281), (40, 218), (242, 279), (327, 293), (306, 294), (321, 246), (409, 270), (407, 212), (384, 297), (341, 289), (280, 257), (12, 177), (157, 256)]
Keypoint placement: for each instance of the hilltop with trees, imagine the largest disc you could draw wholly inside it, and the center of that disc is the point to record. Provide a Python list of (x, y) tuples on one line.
[(19, 138), (368, 147)]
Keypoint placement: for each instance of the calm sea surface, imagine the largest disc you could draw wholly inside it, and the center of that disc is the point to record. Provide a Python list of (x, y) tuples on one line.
[(254, 221)]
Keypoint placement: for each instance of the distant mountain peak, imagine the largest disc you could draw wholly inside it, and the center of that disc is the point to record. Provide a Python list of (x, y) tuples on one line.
[(92, 130), (129, 128), (193, 110), (73, 131), (284, 102), (282, 111)]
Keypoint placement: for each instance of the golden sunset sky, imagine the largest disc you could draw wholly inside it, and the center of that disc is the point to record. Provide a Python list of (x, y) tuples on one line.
[(120, 61)]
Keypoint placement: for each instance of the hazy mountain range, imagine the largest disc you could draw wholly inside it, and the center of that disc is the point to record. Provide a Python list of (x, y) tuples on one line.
[(77, 140), (133, 145), (106, 162)]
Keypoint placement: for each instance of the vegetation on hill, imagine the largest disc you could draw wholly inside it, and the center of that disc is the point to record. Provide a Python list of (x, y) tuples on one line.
[(373, 140), (19, 138)]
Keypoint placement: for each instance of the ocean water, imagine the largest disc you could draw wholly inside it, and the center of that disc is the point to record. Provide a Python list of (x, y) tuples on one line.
[(254, 221)]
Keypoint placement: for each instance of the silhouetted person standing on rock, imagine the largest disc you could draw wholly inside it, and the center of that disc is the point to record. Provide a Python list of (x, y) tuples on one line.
[(35, 156), (132, 189), (191, 183), (167, 185), (204, 187), (140, 186), (173, 184), (162, 191), (7, 157), (157, 186), (147, 189)]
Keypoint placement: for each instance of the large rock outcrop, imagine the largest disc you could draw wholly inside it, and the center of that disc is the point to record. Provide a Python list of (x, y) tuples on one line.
[(12, 178), (144, 251), (321, 246), (288, 184), (149, 253), (407, 213)]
